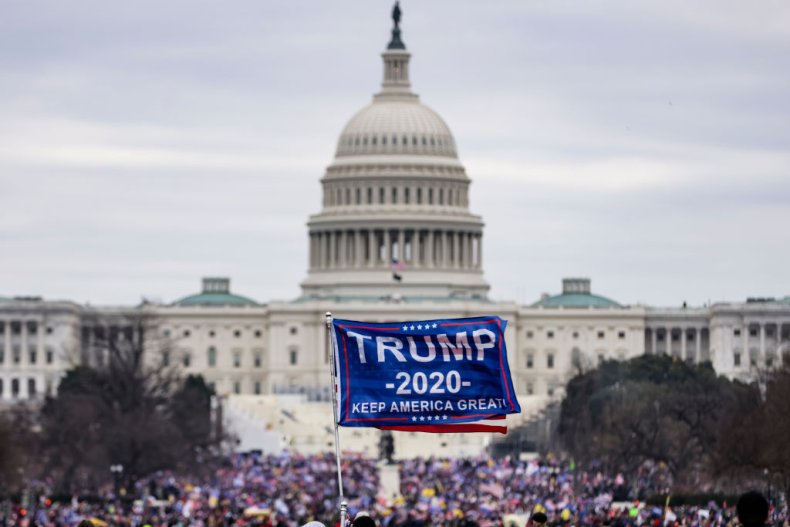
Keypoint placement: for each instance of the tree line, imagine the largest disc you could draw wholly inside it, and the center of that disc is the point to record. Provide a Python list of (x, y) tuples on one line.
[(711, 433), (125, 406)]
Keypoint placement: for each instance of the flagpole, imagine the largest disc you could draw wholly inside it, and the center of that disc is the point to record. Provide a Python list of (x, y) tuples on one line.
[(343, 504)]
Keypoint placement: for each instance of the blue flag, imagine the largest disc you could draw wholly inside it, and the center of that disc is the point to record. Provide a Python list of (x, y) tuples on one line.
[(429, 375)]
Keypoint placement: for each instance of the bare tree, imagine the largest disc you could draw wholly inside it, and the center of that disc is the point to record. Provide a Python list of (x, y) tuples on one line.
[(127, 405)]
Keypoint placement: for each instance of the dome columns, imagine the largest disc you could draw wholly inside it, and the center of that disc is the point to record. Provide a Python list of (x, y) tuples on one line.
[(378, 248)]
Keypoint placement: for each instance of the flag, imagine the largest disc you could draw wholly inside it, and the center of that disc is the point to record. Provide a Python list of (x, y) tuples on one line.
[(397, 268), (439, 376)]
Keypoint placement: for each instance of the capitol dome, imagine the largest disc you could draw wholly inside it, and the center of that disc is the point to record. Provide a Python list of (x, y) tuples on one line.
[(396, 126), (395, 219)]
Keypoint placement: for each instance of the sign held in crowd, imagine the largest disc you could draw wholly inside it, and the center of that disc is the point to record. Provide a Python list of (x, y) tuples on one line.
[(431, 375)]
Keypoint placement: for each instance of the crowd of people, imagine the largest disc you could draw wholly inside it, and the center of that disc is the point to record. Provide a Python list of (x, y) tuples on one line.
[(290, 490)]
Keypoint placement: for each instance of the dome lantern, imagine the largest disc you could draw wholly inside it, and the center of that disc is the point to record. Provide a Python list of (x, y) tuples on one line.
[(396, 63)]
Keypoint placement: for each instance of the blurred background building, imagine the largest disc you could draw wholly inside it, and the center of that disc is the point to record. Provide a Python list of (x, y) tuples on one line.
[(395, 239)]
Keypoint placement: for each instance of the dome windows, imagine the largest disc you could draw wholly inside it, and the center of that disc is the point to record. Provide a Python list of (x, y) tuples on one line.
[(362, 144)]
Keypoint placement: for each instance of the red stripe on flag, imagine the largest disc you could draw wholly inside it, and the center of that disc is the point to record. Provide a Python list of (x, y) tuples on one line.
[(448, 429)]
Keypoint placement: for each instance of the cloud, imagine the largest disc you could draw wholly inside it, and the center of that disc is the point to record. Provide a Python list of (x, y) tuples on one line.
[(645, 145)]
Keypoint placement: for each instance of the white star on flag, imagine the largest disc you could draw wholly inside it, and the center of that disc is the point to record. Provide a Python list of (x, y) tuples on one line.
[(412, 328), (434, 325), (419, 326), (414, 418), (444, 417), (405, 328), (422, 418), (429, 418)]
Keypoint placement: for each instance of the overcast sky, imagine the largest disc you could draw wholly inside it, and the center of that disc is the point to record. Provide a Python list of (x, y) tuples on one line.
[(146, 144)]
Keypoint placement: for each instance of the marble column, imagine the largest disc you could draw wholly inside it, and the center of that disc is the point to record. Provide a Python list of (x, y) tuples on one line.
[(402, 245), (332, 247), (358, 248), (654, 341), (387, 248), (417, 248), (470, 247), (460, 260), (762, 345), (683, 343), (480, 250), (429, 262), (456, 249), (668, 341), (445, 245), (698, 342)]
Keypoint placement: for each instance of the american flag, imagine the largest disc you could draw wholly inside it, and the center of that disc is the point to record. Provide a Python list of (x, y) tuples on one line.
[(397, 268)]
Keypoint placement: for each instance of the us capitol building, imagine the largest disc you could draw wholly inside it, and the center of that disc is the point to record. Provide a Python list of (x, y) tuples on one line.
[(395, 239)]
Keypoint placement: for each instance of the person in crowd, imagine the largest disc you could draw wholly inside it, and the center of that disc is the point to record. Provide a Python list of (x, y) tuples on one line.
[(538, 519), (363, 519), (752, 509)]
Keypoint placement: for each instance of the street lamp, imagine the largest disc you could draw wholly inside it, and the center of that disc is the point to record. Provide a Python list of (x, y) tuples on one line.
[(116, 470)]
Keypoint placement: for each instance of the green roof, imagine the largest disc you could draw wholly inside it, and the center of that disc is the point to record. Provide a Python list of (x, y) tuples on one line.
[(571, 300), (215, 299)]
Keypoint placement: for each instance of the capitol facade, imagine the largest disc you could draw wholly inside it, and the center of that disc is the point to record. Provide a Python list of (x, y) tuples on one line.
[(394, 239)]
